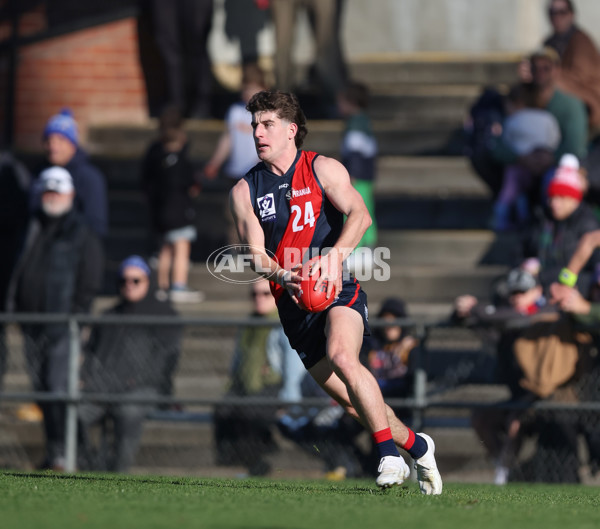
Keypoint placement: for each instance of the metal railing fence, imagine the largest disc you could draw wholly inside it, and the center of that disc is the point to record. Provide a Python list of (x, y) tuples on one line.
[(426, 395)]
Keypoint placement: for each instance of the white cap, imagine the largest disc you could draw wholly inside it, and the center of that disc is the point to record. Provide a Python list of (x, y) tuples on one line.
[(569, 160), (56, 179)]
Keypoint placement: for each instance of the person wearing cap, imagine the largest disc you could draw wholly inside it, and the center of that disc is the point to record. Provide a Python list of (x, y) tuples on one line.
[(62, 148), (135, 361), (388, 358), (558, 227), (60, 270)]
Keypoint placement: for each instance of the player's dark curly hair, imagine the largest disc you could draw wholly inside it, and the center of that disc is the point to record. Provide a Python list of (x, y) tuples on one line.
[(285, 105)]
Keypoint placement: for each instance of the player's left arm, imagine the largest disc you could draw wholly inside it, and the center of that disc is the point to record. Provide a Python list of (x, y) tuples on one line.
[(339, 190)]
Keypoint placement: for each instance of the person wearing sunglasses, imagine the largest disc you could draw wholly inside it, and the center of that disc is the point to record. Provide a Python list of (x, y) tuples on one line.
[(131, 360), (580, 59), (579, 73)]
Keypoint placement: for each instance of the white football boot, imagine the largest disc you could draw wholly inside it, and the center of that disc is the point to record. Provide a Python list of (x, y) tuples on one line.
[(428, 475), (393, 470)]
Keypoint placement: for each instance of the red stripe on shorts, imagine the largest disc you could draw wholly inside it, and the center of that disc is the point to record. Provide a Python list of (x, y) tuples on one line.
[(355, 294)]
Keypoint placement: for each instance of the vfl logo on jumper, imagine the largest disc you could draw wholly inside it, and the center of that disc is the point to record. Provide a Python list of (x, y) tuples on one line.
[(300, 192), (266, 207)]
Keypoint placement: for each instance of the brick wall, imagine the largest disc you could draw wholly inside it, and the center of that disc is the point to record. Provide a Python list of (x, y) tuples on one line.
[(95, 72)]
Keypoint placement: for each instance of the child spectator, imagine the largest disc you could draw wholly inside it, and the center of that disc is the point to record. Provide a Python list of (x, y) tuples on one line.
[(236, 152), (557, 228), (235, 149), (168, 180)]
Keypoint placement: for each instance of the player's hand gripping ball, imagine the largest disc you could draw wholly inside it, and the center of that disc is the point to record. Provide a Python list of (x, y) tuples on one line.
[(310, 299)]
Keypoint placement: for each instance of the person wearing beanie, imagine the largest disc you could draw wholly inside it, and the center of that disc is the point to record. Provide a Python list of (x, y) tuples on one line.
[(135, 361), (567, 180), (62, 147), (559, 226)]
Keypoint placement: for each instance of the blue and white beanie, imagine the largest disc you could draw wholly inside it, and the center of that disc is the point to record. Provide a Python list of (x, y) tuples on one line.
[(134, 260), (64, 124)]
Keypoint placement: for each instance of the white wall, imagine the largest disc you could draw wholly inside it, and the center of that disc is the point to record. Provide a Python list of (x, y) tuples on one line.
[(390, 27)]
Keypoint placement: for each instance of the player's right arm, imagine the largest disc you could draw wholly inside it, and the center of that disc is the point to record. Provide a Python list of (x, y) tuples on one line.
[(250, 233)]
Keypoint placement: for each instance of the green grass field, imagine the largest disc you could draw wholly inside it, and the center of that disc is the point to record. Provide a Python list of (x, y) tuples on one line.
[(44, 501)]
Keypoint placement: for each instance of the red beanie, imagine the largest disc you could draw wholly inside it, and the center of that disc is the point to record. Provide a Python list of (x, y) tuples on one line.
[(567, 181)]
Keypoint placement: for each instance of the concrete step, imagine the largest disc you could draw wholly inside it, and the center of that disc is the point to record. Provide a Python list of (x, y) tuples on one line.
[(444, 177), (431, 213), (187, 448), (425, 265), (435, 68), (412, 193), (467, 248), (394, 137), (439, 176), (422, 103), (417, 283)]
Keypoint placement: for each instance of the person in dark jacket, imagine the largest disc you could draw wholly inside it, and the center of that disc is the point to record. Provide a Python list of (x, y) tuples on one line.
[(520, 302), (557, 229), (129, 360), (61, 144), (59, 271), (169, 183), (15, 181)]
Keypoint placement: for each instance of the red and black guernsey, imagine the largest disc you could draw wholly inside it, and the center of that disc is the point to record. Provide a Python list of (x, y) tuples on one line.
[(299, 222), (296, 216)]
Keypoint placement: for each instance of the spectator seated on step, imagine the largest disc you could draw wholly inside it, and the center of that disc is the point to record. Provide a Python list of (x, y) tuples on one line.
[(129, 361), (537, 356), (579, 73), (570, 114), (559, 224), (389, 355), (529, 132)]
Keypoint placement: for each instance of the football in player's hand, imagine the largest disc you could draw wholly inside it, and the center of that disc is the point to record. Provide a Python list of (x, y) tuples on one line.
[(310, 299)]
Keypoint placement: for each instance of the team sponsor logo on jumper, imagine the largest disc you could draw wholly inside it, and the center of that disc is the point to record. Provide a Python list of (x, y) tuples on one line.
[(266, 207), (300, 192), (284, 186)]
